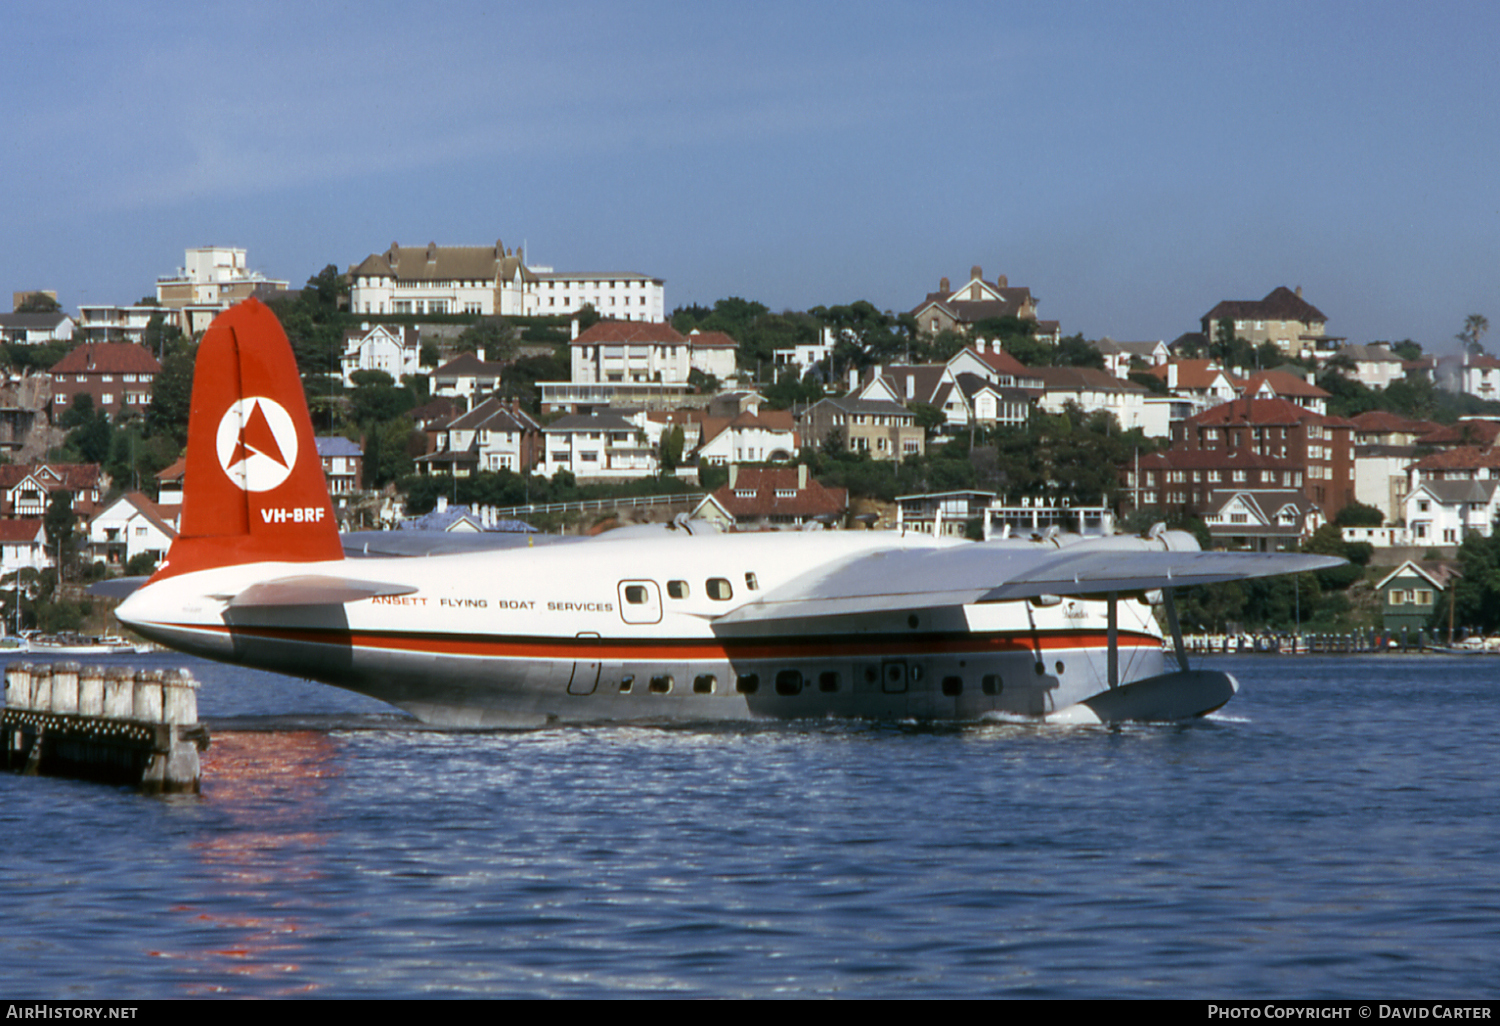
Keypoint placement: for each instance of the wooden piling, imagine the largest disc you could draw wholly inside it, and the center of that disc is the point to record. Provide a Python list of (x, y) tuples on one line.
[(115, 724)]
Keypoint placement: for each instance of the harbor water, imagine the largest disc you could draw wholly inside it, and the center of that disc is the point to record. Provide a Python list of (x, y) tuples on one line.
[(1331, 833)]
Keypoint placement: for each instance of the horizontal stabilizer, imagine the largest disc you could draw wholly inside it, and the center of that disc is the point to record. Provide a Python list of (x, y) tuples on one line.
[(116, 587), (994, 572), (313, 590)]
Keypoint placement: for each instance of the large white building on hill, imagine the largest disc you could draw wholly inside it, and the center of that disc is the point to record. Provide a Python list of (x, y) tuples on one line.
[(491, 280)]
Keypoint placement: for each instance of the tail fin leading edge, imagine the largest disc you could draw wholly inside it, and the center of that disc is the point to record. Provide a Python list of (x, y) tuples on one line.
[(253, 489)]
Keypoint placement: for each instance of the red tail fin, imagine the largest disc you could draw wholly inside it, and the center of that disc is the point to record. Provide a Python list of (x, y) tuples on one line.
[(254, 488)]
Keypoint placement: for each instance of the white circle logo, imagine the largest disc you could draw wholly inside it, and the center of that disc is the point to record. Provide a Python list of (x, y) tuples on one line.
[(257, 444)]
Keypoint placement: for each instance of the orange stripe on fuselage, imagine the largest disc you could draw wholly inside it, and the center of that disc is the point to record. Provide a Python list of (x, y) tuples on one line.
[(688, 649)]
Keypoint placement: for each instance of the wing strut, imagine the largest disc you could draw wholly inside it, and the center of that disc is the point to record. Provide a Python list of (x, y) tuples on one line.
[(1176, 629), (1114, 639)]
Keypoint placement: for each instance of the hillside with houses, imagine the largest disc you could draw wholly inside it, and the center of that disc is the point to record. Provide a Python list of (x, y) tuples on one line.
[(466, 387)]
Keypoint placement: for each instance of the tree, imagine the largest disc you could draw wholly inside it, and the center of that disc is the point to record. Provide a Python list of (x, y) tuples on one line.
[(38, 302), (672, 444), (1075, 351), (491, 336), (172, 396), (59, 524), (1475, 325)]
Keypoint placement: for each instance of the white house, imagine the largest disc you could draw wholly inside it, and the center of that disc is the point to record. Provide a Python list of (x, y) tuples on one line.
[(466, 377), (390, 348), (598, 445), (1445, 512), (750, 437), (23, 546), (127, 527), (621, 352), (1092, 390), (31, 329), (1375, 366), (492, 280)]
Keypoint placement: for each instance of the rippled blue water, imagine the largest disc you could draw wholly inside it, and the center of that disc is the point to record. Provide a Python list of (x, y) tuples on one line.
[(1330, 834)]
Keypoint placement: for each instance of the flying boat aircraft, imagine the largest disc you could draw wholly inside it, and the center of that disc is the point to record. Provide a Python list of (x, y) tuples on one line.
[(662, 623)]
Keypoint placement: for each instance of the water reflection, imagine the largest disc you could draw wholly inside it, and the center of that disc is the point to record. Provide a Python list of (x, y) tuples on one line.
[(268, 787)]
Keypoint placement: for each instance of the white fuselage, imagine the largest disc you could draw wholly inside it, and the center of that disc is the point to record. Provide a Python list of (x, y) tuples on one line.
[(625, 630)]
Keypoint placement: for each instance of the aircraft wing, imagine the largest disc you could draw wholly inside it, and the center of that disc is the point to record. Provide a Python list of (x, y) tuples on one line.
[(986, 572), (313, 590)]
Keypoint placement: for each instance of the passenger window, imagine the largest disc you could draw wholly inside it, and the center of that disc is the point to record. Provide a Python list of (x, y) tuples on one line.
[(750, 583), (992, 684), (828, 682), (748, 684), (719, 590), (704, 685), (661, 685), (953, 686), (677, 589), (635, 594), (789, 682), (626, 682)]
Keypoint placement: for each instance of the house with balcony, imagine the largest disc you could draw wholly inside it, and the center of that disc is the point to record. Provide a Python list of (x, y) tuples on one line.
[(1318, 447), (1445, 512), (494, 280), (495, 435), (26, 488), (604, 445), (1283, 317), (343, 465), (128, 527), (885, 430)]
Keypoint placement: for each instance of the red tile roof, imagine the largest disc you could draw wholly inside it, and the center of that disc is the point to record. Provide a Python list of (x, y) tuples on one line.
[(1465, 432), (1468, 457), (15, 531), (1264, 411), (630, 331), (107, 358), (812, 501)]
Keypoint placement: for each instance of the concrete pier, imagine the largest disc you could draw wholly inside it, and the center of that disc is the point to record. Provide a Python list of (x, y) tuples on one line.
[(111, 724)]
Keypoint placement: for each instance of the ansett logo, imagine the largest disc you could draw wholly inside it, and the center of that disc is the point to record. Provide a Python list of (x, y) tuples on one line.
[(257, 443)]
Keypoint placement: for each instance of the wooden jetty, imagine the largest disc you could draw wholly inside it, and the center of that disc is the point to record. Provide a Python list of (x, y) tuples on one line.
[(113, 724)]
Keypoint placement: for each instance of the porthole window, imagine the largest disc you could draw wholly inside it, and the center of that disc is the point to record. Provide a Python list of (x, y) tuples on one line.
[(677, 589), (1041, 667), (704, 684), (1059, 667), (626, 683), (992, 684), (719, 590), (953, 686), (748, 684), (636, 594), (789, 682), (828, 682), (661, 685)]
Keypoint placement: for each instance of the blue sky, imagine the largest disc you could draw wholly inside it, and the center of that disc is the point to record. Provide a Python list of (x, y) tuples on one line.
[(1132, 163)]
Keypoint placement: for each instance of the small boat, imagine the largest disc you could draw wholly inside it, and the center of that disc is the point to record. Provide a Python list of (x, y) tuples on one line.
[(78, 644)]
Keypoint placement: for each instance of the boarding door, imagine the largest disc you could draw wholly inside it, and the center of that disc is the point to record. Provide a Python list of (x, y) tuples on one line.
[(585, 672)]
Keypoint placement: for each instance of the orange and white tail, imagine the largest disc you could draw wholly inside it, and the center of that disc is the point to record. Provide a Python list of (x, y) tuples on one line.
[(253, 490)]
